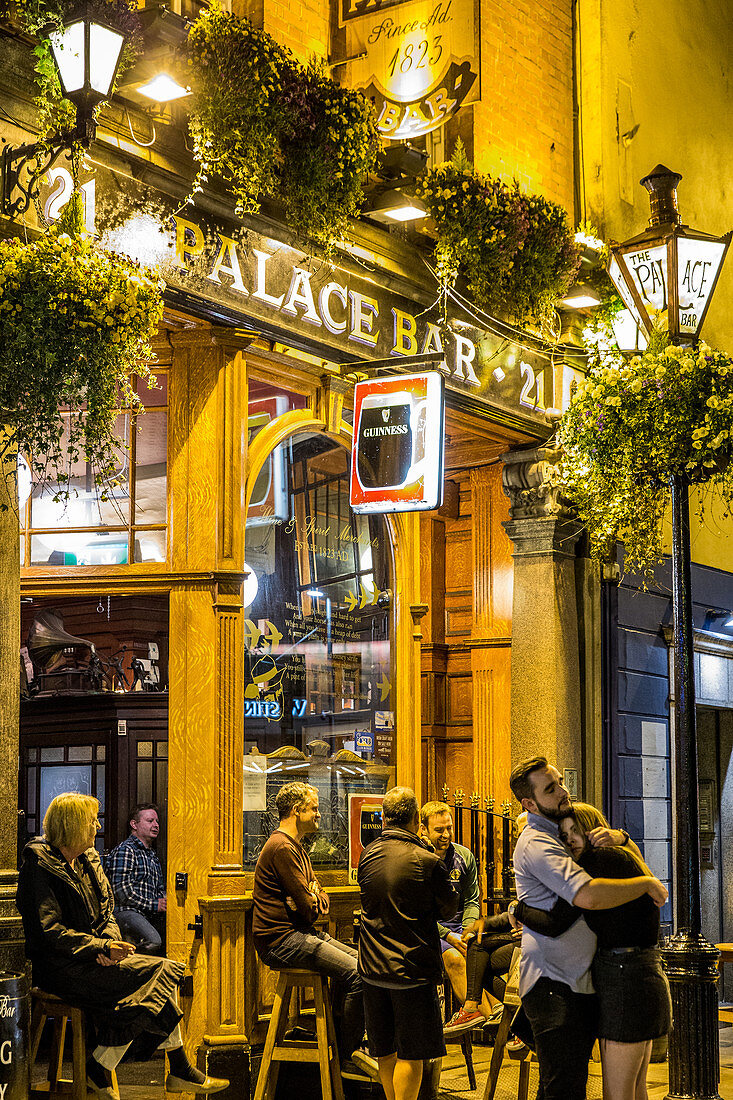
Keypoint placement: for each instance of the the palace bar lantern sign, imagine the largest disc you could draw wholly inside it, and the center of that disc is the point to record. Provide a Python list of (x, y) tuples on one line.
[(666, 275), (86, 52)]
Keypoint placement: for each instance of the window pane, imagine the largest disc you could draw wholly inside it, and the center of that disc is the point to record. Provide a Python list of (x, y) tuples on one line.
[(158, 395), (80, 752), (80, 548), (51, 754), (150, 545), (58, 780), (85, 508), (145, 748), (101, 788), (150, 467), (145, 781)]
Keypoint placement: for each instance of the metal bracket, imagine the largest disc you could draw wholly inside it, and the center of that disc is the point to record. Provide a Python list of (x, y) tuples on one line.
[(45, 153)]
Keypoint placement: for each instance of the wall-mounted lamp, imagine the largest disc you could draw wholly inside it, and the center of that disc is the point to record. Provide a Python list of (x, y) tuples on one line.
[(396, 205), (86, 52)]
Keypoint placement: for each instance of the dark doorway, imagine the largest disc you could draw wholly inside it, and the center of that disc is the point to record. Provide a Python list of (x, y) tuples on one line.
[(715, 767), (100, 729)]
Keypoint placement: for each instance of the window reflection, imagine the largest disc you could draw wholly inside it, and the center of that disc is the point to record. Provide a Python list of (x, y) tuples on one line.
[(318, 697)]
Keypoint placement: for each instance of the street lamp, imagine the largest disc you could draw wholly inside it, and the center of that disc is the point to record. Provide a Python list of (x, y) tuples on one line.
[(86, 52), (666, 277)]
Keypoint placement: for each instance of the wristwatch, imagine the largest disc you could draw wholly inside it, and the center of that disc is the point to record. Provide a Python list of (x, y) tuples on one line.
[(626, 837), (511, 910)]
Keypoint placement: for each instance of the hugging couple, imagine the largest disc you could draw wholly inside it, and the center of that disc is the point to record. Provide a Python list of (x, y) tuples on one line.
[(588, 907)]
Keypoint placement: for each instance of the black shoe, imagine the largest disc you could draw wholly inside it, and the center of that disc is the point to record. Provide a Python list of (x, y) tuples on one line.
[(299, 1034), (365, 1065), (99, 1081)]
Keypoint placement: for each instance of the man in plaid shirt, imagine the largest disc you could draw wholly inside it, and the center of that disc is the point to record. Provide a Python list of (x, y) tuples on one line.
[(136, 877)]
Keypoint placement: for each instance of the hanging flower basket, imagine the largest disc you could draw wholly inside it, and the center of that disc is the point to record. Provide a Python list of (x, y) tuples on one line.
[(515, 251), (633, 425), (76, 324), (267, 126)]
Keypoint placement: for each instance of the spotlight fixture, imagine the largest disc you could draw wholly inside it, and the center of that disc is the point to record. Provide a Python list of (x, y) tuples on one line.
[(163, 89), (396, 205), (580, 296)]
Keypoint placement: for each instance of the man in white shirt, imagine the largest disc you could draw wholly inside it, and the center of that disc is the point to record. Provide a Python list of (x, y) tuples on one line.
[(554, 978)]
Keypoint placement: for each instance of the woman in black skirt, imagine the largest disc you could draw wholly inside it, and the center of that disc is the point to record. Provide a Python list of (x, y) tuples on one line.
[(77, 952), (633, 994)]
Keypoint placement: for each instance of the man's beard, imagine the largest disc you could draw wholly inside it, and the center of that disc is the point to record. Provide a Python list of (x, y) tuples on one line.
[(552, 813)]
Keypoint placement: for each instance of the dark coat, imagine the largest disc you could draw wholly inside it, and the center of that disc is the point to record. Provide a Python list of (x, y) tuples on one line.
[(65, 932), (405, 890)]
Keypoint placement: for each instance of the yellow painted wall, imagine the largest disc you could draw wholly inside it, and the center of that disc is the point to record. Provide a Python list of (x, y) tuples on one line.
[(655, 87)]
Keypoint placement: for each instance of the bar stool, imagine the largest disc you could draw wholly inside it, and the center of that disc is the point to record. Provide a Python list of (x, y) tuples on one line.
[(322, 1052), (45, 1006)]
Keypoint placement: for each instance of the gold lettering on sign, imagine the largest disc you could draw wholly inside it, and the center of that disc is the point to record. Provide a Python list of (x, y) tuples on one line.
[(189, 242), (405, 333), (228, 251)]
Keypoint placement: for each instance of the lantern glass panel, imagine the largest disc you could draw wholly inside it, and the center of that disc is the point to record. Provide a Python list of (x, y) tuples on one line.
[(616, 277), (698, 263), (648, 269), (67, 45), (105, 46)]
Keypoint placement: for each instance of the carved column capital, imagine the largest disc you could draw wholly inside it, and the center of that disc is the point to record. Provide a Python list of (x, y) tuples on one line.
[(528, 479), (330, 401), (541, 520)]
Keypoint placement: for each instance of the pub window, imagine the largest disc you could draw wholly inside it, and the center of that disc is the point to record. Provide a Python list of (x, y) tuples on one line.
[(131, 524), (318, 693)]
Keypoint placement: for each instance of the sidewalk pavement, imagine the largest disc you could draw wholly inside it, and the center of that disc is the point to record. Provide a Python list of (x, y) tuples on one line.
[(454, 1080), (144, 1081)]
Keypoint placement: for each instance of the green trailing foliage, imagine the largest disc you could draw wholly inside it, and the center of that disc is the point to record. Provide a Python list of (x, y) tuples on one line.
[(632, 425), (515, 251), (268, 126)]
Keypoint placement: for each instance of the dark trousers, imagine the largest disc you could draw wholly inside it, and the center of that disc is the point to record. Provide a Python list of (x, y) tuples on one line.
[(318, 951), (564, 1026), (486, 964)]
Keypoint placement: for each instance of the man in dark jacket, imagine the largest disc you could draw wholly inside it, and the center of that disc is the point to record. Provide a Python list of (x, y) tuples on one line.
[(405, 890)]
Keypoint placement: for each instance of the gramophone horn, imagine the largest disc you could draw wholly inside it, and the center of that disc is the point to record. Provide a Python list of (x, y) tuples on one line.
[(47, 638)]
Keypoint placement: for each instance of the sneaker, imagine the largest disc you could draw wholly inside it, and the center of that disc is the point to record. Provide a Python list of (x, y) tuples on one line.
[(99, 1081), (197, 1083), (462, 1021), (515, 1048), (365, 1065), (496, 1014)]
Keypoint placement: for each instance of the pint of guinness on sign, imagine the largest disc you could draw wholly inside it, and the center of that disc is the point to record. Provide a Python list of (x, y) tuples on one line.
[(397, 455)]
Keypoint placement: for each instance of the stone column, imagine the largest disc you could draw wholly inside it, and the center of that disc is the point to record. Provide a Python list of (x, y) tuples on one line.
[(11, 934), (546, 690)]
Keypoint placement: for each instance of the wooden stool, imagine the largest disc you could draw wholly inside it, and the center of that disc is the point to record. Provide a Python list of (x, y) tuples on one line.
[(322, 1052), (46, 1005)]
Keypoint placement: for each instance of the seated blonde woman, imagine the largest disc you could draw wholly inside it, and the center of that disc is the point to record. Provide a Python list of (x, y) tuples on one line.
[(77, 952)]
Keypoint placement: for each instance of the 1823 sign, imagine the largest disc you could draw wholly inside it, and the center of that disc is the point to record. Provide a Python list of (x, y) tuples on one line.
[(417, 61)]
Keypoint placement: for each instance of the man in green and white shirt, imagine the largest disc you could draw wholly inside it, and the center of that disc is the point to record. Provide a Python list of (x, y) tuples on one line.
[(437, 823)]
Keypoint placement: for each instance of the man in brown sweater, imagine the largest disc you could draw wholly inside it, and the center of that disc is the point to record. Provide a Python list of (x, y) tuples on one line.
[(288, 900)]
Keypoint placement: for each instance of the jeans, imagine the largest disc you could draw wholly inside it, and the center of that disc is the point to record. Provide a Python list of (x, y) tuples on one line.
[(564, 1026), (493, 954), (141, 931), (318, 951)]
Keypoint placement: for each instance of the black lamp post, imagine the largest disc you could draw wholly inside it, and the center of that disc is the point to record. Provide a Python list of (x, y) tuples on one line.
[(86, 52), (666, 277)]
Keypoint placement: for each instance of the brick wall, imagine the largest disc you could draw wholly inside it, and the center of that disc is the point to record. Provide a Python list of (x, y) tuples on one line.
[(302, 25), (523, 125)]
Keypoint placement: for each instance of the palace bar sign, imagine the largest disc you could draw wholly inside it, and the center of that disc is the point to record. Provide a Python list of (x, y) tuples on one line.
[(398, 447), (416, 61)]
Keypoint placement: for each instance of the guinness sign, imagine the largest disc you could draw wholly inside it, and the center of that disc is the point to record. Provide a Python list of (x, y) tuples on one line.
[(397, 456)]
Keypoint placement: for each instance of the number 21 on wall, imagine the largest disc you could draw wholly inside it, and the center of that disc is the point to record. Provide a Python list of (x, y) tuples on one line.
[(533, 388), (62, 184)]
